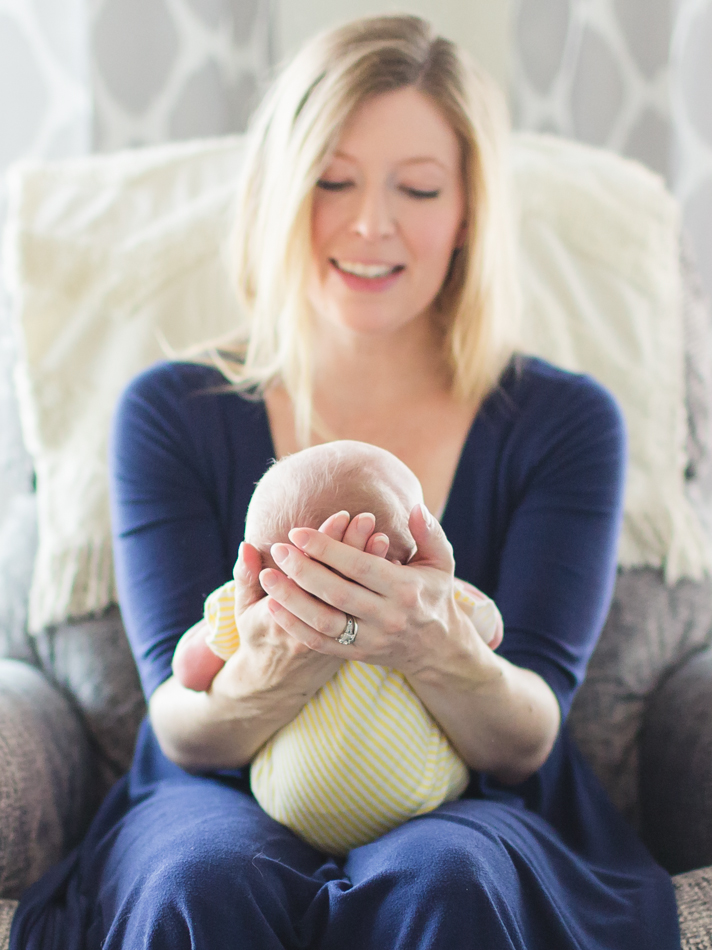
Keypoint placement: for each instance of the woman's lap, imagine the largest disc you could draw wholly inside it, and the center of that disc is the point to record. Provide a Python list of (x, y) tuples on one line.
[(197, 863), (174, 861)]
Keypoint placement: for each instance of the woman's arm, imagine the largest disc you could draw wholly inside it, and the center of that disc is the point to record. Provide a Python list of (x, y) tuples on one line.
[(258, 690), (184, 462)]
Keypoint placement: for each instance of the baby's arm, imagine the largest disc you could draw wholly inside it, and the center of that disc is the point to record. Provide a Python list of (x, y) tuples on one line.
[(482, 612), (195, 666)]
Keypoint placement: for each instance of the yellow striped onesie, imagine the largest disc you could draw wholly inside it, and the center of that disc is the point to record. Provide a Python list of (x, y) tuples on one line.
[(363, 755)]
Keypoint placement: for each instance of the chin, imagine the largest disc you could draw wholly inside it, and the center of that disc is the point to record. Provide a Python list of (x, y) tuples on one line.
[(372, 320)]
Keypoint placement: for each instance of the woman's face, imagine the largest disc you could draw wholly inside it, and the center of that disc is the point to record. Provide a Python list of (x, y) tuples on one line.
[(388, 212)]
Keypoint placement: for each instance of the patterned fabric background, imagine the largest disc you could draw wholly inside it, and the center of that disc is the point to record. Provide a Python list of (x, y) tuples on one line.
[(82, 75), (175, 69), (77, 75), (631, 75), (691, 98), (45, 110)]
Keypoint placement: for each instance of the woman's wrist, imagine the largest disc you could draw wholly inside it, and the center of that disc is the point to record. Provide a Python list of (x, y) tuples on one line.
[(501, 718), (245, 705)]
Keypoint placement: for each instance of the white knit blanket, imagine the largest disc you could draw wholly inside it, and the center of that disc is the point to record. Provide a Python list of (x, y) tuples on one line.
[(109, 255)]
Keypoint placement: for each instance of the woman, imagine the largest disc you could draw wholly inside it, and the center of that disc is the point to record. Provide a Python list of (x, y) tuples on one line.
[(373, 255)]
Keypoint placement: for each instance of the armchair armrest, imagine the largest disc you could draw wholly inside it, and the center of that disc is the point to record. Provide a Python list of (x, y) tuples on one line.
[(676, 767), (693, 892), (46, 786)]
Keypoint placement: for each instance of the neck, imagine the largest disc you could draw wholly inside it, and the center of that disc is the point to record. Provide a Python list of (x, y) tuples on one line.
[(358, 373)]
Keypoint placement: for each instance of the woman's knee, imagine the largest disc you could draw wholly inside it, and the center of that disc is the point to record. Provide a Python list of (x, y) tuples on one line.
[(198, 846), (437, 857)]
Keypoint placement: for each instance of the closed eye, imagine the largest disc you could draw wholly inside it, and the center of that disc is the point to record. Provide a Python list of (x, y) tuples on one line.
[(327, 185), (419, 193)]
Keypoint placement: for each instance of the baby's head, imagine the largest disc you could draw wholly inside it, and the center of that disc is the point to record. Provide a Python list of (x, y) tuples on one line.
[(303, 489)]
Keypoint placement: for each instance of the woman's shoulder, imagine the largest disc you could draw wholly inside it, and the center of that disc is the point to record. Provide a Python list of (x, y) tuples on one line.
[(185, 389), (185, 404), (174, 379), (531, 389)]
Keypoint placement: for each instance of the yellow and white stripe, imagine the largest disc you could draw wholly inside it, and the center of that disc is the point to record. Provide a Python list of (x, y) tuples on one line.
[(363, 755)]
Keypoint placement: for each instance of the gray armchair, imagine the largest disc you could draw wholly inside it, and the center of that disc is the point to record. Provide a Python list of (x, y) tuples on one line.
[(70, 700)]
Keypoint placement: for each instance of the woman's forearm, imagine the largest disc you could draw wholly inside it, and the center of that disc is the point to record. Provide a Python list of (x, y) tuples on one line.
[(201, 731), (224, 727), (502, 719)]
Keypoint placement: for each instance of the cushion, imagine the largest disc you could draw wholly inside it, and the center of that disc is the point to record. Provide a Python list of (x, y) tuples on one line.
[(113, 263), (18, 515), (693, 892), (110, 255), (44, 776), (90, 660), (652, 626), (7, 912), (676, 767)]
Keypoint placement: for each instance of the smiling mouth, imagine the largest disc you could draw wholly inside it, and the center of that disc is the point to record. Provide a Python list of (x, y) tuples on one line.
[(369, 271)]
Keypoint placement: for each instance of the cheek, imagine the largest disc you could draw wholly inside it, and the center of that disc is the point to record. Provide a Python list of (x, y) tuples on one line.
[(328, 219), (436, 241)]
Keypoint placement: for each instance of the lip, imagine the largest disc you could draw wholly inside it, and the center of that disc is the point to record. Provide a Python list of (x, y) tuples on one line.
[(368, 284)]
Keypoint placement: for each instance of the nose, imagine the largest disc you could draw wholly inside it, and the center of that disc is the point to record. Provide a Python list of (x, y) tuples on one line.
[(374, 216)]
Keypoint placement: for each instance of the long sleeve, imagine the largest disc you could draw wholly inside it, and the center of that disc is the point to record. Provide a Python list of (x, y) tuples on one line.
[(185, 454), (538, 499)]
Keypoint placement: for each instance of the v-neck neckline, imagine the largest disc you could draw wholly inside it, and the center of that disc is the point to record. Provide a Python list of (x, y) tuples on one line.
[(456, 474)]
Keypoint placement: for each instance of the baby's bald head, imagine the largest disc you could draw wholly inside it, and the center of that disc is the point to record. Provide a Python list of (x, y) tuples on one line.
[(304, 489)]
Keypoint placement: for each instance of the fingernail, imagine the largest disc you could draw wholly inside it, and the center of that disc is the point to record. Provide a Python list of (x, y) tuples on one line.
[(379, 547), (280, 552), (298, 536), (267, 580), (427, 517), (365, 522)]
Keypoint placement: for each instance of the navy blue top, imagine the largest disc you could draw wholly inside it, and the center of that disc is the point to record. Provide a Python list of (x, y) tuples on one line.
[(533, 515)]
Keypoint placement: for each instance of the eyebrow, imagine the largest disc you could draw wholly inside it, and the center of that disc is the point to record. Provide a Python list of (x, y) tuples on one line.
[(416, 160)]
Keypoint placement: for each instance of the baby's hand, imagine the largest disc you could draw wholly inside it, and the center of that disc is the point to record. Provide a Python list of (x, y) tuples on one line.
[(358, 532), (195, 666)]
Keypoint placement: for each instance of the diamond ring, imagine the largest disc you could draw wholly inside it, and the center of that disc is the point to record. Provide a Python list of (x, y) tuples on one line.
[(350, 631)]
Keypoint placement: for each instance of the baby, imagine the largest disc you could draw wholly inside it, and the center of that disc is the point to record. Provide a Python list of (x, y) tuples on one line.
[(364, 754)]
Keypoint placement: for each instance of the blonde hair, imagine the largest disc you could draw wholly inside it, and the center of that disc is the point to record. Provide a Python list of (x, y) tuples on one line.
[(290, 140)]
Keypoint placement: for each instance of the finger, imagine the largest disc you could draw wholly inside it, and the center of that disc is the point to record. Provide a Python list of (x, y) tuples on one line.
[(378, 545), (360, 530), (432, 546), (306, 635), (356, 532), (246, 572), (335, 525), (315, 611), (373, 573)]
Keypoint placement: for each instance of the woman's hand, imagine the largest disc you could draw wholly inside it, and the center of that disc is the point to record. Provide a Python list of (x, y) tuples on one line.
[(403, 611), (269, 658), (501, 718)]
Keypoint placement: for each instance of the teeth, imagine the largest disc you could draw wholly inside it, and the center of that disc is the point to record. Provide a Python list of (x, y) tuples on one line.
[(365, 270)]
